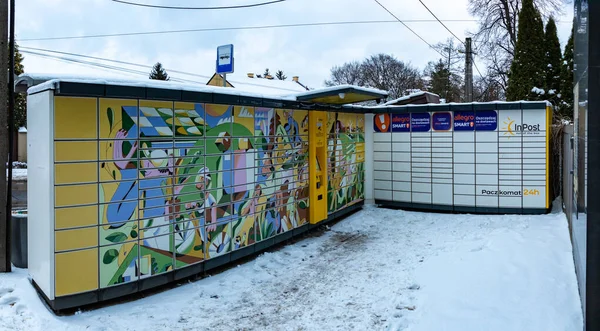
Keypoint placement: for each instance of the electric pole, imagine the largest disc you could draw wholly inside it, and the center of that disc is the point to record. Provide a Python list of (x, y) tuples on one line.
[(468, 71), (4, 134)]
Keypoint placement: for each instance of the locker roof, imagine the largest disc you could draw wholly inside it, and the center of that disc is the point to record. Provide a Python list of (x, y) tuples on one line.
[(321, 99)]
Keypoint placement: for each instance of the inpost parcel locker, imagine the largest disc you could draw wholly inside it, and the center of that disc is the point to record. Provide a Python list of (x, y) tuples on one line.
[(480, 157)]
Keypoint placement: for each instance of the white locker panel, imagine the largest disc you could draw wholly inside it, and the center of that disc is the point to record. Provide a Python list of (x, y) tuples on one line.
[(421, 198), (382, 175), (464, 200), (383, 195), (442, 194), (382, 166), (401, 166), (402, 196), (486, 201), (382, 185), (401, 157), (464, 189), (401, 186)]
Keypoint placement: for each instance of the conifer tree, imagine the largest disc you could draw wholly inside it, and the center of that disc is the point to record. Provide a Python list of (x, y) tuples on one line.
[(527, 72), (280, 75), (566, 88), (20, 99), (553, 63), (158, 72)]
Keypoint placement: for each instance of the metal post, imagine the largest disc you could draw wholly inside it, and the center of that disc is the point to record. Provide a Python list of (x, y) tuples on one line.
[(468, 71), (224, 80), (4, 137), (11, 125)]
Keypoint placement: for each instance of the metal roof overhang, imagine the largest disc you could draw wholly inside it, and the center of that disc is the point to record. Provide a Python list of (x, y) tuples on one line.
[(342, 95)]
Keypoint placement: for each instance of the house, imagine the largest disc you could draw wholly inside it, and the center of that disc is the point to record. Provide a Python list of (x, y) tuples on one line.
[(261, 85)]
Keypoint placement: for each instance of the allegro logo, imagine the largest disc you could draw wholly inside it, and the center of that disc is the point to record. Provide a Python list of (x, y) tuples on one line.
[(465, 118), (401, 119)]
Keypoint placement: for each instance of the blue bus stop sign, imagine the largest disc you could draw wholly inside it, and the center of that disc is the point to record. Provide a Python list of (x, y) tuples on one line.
[(225, 59)]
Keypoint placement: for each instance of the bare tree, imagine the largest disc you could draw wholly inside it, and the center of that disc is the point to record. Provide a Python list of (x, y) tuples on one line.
[(348, 73), (381, 71), (387, 73), (496, 36)]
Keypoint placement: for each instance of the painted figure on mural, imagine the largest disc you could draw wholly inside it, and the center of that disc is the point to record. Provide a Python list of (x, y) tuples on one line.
[(156, 167)]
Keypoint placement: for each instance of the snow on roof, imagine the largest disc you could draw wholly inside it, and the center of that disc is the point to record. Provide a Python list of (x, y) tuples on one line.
[(22, 129), (406, 97), (149, 83), (342, 87), (265, 86)]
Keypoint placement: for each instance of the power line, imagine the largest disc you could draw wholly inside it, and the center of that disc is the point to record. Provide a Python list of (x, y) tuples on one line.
[(108, 60), (444, 25), (102, 66), (411, 30), (32, 49), (233, 28), (198, 8)]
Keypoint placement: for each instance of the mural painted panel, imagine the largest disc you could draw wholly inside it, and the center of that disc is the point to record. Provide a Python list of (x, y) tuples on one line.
[(182, 182)]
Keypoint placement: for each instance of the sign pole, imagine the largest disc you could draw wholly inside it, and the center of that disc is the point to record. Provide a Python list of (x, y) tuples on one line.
[(224, 80)]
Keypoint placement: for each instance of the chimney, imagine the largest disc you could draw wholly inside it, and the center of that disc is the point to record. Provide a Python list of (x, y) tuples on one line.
[(269, 77), (250, 75), (295, 78)]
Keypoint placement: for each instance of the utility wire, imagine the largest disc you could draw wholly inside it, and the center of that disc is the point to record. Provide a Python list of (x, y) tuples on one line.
[(452, 33), (442, 23), (101, 66), (141, 33), (198, 8), (108, 60), (32, 49), (411, 30)]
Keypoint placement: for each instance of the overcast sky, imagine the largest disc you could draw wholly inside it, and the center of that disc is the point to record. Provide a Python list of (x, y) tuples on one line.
[(308, 52)]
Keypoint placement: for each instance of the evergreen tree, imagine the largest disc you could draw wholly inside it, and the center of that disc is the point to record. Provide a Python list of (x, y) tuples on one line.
[(527, 72), (20, 99), (158, 72), (566, 89), (553, 63), (280, 75), (443, 82), (267, 73)]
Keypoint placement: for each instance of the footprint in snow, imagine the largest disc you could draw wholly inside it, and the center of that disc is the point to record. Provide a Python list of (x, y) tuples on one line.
[(4, 291), (9, 301)]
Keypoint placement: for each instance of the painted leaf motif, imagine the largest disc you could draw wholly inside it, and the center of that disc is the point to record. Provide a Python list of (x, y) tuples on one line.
[(111, 117), (116, 237), (110, 256)]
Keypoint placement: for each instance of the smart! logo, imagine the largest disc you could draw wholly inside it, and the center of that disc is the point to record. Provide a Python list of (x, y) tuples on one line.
[(461, 120)]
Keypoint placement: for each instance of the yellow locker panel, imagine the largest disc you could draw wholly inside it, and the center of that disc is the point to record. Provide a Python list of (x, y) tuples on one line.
[(74, 217), (72, 151), (75, 173), (76, 272), (74, 195), (67, 240), (75, 118)]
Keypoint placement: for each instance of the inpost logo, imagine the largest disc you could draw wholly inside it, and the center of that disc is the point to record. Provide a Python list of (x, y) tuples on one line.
[(508, 127), (511, 128)]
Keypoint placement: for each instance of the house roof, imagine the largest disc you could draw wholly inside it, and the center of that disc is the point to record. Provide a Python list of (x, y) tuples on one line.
[(265, 86)]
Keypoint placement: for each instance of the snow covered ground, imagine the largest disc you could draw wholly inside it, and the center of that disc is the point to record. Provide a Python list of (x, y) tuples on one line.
[(378, 269), (18, 174)]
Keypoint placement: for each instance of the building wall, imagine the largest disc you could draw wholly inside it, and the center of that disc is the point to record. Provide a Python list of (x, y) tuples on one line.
[(143, 188)]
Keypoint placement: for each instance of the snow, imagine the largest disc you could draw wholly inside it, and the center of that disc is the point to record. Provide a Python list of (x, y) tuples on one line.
[(265, 86), (378, 269), (22, 129), (18, 174), (406, 97), (552, 92), (340, 88), (538, 90)]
